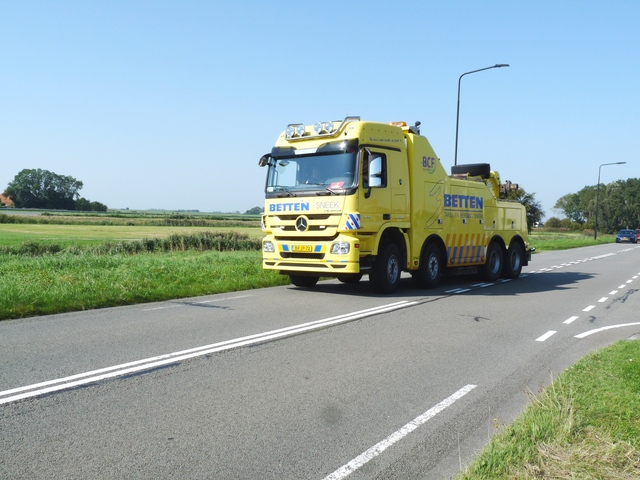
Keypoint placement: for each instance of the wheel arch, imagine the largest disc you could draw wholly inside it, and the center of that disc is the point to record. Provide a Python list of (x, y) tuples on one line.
[(399, 238), (517, 239), (439, 242), (500, 241)]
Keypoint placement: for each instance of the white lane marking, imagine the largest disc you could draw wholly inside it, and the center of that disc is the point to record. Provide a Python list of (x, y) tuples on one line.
[(161, 360), (589, 308), (570, 320), (184, 303), (221, 299), (622, 286), (629, 281), (380, 447), (597, 330), (613, 292), (544, 337), (604, 256), (603, 299)]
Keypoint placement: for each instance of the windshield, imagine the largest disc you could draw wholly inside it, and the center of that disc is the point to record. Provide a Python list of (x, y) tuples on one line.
[(305, 173)]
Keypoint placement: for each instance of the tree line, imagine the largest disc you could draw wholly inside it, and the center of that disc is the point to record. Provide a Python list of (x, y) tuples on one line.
[(617, 205), (38, 188)]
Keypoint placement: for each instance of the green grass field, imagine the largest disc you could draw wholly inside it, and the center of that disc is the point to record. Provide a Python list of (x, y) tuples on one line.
[(45, 284), (80, 234)]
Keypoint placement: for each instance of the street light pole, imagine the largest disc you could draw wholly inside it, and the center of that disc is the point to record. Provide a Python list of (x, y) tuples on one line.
[(498, 65), (595, 228)]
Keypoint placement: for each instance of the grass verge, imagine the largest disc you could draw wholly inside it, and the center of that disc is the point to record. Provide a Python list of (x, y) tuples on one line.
[(544, 240), (38, 278), (55, 283), (585, 425)]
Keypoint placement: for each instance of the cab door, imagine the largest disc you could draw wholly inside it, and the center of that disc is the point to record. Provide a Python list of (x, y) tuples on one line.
[(375, 194)]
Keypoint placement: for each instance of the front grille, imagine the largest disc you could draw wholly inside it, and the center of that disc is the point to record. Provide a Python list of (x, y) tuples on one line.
[(292, 218), (303, 238), (302, 256)]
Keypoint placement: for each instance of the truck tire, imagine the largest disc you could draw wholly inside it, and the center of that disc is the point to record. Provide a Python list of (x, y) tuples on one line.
[(428, 275), (492, 269), (472, 169), (513, 261), (385, 273), (303, 281)]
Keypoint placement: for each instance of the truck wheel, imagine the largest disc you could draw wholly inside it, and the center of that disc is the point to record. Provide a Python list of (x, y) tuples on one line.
[(385, 274), (428, 275), (303, 281), (513, 262), (492, 269)]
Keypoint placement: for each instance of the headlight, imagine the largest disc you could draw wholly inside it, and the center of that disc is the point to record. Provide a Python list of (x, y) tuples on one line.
[(340, 248), (268, 247)]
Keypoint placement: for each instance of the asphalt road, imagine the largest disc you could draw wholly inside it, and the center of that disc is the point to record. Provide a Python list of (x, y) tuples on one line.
[(284, 383)]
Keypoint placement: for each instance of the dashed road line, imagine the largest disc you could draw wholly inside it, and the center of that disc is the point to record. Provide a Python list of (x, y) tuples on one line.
[(546, 336)]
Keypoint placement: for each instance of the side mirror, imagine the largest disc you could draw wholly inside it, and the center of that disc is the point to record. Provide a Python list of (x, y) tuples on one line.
[(375, 172), (265, 160)]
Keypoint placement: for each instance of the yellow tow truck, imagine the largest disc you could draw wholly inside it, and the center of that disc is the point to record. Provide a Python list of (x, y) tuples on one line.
[(352, 197)]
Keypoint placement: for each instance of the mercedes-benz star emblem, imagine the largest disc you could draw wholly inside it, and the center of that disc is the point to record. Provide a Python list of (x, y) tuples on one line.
[(302, 224)]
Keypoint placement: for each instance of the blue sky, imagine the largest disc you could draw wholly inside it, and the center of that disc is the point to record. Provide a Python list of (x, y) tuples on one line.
[(170, 104)]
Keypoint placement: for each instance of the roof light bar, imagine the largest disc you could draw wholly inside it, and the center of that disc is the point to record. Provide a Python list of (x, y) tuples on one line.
[(295, 131)]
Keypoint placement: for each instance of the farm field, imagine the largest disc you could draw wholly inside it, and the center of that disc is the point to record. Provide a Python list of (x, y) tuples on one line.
[(67, 235), (54, 264)]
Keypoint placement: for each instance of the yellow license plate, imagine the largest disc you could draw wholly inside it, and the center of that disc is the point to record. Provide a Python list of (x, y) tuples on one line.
[(301, 248)]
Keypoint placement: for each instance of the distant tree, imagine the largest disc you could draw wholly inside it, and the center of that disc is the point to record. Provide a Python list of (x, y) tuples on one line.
[(533, 207), (618, 205), (553, 222), (83, 205), (572, 207), (37, 188), (98, 207), (254, 211)]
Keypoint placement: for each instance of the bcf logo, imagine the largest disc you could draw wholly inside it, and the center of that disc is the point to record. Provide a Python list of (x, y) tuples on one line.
[(429, 163)]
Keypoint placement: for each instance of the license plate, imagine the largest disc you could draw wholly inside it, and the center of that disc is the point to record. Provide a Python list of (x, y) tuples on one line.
[(301, 248)]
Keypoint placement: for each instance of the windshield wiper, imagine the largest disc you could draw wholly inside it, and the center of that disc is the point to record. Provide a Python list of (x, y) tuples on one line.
[(328, 191), (286, 193)]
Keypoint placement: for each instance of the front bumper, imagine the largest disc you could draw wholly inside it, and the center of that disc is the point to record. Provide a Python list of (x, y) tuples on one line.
[(311, 256)]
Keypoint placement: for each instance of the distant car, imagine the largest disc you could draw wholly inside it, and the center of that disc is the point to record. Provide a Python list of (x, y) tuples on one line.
[(627, 236), (637, 233)]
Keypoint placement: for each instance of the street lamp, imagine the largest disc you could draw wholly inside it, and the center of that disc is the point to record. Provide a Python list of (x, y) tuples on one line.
[(595, 229), (497, 65)]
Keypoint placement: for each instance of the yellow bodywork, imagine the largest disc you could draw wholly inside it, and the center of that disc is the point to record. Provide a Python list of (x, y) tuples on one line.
[(420, 202)]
